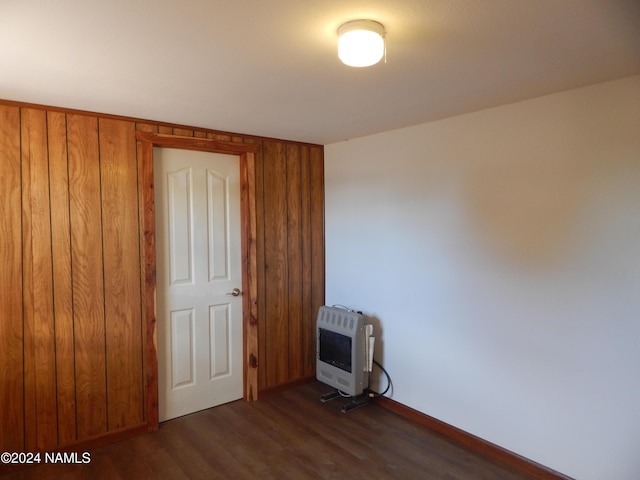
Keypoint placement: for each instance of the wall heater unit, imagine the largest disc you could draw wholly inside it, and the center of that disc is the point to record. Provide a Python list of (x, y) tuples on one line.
[(345, 350)]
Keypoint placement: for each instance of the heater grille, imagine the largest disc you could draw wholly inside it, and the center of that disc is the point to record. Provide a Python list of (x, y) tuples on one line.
[(338, 319)]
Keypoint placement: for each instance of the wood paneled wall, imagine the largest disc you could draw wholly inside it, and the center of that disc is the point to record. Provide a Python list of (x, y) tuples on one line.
[(72, 330), (291, 178)]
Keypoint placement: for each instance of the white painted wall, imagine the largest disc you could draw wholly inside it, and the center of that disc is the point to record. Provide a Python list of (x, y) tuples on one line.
[(499, 254)]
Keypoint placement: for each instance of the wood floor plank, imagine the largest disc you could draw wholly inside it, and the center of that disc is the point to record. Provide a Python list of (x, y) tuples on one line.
[(290, 435)]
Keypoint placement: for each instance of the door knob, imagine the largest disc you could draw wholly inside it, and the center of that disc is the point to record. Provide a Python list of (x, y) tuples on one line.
[(234, 293)]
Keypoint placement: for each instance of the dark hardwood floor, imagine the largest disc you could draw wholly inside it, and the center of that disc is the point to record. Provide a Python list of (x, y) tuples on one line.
[(290, 435)]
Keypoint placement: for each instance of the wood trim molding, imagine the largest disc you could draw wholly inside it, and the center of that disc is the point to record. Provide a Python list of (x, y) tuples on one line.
[(148, 278), (196, 143), (477, 444), (157, 123), (249, 274), (286, 386), (246, 153)]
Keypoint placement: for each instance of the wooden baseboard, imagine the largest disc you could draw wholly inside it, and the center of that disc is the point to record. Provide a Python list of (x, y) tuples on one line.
[(285, 386), (477, 444)]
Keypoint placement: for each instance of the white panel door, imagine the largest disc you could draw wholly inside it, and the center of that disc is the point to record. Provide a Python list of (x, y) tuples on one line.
[(198, 263)]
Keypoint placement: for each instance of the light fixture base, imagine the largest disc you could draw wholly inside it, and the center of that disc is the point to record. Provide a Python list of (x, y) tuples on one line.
[(361, 43)]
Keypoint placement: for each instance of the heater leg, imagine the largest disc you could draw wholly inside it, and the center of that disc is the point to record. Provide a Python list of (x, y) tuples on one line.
[(356, 402), (329, 396)]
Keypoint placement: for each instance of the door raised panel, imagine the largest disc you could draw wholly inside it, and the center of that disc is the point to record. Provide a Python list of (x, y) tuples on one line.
[(182, 349), (219, 340), (217, 225), (179, 185)]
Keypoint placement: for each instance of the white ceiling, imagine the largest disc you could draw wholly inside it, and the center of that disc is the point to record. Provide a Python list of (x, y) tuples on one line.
[(269, 67)]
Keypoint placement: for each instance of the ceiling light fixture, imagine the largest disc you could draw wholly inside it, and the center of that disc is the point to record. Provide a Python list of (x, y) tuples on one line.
[(361, 43)]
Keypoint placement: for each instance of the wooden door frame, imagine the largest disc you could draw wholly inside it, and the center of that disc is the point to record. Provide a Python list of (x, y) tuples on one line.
[(246, 152)]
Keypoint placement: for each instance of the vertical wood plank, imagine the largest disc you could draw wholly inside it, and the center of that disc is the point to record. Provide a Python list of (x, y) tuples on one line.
[(62, 287), (123, 322), (308, 315), (39, 342), (317, 229), (276, 282), (294, 261), (29, 348), (11, 336), (88, 288)]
